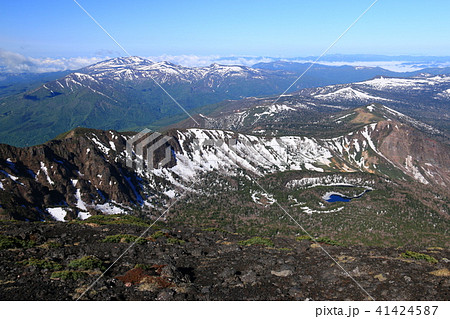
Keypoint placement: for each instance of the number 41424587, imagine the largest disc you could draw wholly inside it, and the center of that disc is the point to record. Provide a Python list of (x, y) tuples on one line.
[(407, 311)]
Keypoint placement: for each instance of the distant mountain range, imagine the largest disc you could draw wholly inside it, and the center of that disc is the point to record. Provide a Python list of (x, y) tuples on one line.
[(121, 94), (344, 73), (424, 98), (401, 170), (382, 143)]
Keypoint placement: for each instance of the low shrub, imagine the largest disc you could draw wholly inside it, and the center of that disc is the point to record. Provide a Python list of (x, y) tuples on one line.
[(159, 234), (86, 263), (7, 242), (175, 241), (303, 237), (53, 244), (419, 256), (68, 275), (143, 266), (41, 263)]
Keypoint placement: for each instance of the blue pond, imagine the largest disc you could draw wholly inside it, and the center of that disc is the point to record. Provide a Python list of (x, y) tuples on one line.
[(337, 198)]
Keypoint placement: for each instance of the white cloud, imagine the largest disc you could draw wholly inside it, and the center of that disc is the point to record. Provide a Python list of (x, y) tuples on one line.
[(198, 61), (397, 66), (185, 60), (15, 62)]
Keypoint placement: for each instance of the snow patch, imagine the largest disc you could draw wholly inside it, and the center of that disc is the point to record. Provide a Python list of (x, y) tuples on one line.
[(58, 213), (311, 167), (262, 198), (14, 178), (44, 169), (110, 209), (170, 193), (347, 93), (83, 215), (113, 146), (414, 170), (329, 180), (80, 204), (102, 147), (383, 83), (310, 211)]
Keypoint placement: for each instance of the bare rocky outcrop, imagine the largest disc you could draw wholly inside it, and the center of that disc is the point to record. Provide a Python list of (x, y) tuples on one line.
[(187, 263)]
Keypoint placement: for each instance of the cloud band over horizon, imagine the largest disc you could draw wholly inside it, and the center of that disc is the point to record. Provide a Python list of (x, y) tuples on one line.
[(12, 62)]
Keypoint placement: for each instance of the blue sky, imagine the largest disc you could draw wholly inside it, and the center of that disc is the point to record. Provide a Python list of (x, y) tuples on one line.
[(58, 28)]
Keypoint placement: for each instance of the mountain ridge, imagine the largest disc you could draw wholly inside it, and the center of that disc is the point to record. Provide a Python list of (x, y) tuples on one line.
[(382, 146), (121, 94), (423, 97)]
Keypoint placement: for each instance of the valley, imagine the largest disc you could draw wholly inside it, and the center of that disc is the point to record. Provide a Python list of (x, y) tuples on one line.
[(362, 169), (214, 177)]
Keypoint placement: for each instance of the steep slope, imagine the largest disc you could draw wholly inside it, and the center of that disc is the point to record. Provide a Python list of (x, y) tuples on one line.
[(214, 177), (86, 170), (378, 143), (70, 177)]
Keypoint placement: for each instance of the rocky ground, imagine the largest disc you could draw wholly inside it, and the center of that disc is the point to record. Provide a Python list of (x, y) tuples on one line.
[(59, 261)]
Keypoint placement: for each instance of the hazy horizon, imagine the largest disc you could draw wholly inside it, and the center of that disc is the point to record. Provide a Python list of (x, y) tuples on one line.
[(12, 62), (54, 35)]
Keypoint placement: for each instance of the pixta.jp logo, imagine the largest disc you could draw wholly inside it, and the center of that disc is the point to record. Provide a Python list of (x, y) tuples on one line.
[(141, 149)]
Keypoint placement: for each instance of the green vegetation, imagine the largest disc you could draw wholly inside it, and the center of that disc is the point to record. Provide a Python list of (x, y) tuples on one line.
[(86, 263), (259, 241), (419, 256), (124, 238), (79, 131), (303, 237), (65, 109), (52, 244), (68, 275), (389, 205), (176, 241), (144, 266), (41, 263), (116, 219), (322, 240), (159, 234), (7, 242)]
